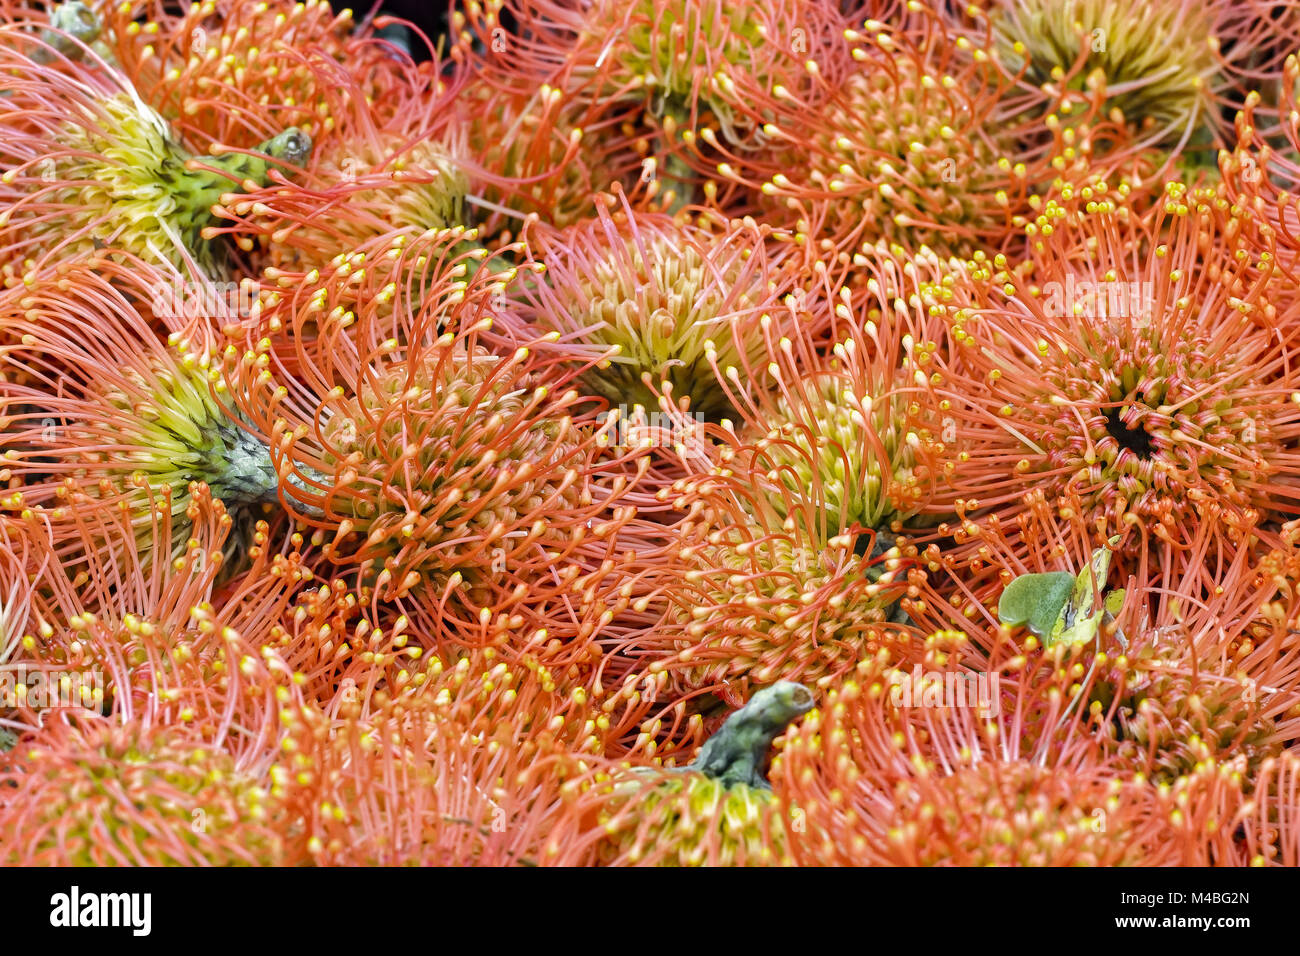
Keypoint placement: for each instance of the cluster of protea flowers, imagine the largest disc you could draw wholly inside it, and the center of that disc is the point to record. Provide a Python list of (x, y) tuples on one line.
[(669, 432)]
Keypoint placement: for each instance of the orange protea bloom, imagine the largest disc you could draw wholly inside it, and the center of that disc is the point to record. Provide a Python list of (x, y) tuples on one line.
[(177, 768), (86, 163), (237, 73), (15, 599), (89, 793), (1210, 680), (834, 428), (852, 453), (546, 152), (762, 587), (1178, 717), (1149, 385), (1186, 671), (308, 313), (1174, 72), (972, 562), (1160, 62), (461, 764), (151, 641), (717, 811), (99, 399), (881, 779), (425, 461), (377, 173), (923, 142), (652, 306), (345, 647), (686, 62), (549, 144)]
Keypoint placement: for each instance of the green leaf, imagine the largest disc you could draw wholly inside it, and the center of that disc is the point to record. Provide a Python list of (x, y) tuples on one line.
[(1060, 606), (1036, 600)]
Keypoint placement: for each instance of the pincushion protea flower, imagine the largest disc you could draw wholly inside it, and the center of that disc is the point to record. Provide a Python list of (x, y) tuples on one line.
[(548, 153), (89, 793), (237, 73), (234, 688), (685, 61), (361, 191), (309, 314), (461, 766), (834, 428), (434, 464), (1187, 671), (1210, 681), (637, 296), (549, 145), (150, 641), (86, 164), (1178, 718), (97, 402), (374, 175), (1150, 387), (924, 141), (761, 592), (884, 781), (1159, 61), (1174, 72), (716, 811), (863, 479), (347, 648), (176, 771), (505, 487)]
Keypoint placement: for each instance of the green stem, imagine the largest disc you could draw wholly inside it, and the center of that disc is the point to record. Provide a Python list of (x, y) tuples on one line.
[(737, 752), (675, 173)]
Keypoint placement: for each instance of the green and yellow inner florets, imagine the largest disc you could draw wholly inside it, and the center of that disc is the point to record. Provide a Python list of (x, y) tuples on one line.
[(182, 434), (430, 187), (1160, 56), (832, 460), (704, 822), (667, 49), (905, 161), (667, 315), (122, 180), (112, 803)]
